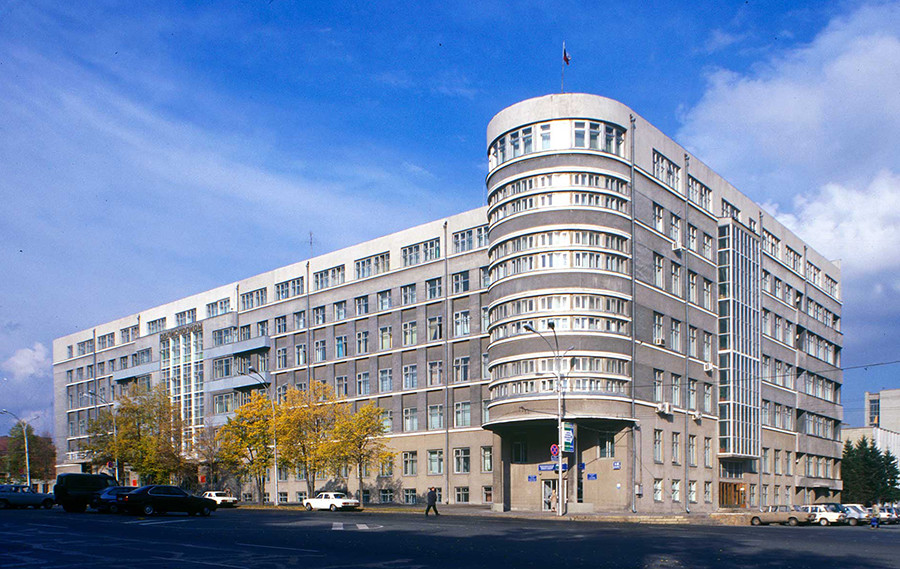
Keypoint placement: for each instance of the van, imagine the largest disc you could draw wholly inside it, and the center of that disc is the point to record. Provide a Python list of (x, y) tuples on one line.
[(73, 491)]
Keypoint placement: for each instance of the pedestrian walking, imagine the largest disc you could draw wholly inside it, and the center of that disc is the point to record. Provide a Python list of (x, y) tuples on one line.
[(431, 501)]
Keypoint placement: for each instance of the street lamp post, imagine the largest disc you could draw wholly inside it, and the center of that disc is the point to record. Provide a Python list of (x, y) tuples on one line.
[(262, 381), (25, 436), (115, 429), (562, 497)]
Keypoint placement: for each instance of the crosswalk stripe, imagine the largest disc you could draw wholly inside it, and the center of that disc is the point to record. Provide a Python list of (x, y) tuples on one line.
[(337, 526), (362, 526)]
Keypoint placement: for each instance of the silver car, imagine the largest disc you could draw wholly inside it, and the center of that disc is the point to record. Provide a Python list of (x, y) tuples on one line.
[(22, 496)]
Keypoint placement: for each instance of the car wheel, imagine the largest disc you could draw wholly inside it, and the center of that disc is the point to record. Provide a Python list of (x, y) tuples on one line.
[(333, 508), (47, 504), (823, 522), (853, 521), (308, 507), (149, 510), (792, 521), (113, 508), (205, 511), (755, 521)]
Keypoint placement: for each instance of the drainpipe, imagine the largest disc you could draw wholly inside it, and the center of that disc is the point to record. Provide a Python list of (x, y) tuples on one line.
[(634, 448), (446, 378), (685, 388)]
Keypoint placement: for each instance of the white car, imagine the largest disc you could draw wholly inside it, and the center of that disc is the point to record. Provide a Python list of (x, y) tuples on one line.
[(223, 499), (331, 501), (826, 514)]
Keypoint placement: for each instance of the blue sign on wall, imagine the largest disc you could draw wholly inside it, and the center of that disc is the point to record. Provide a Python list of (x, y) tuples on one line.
[(617, 465), (592, 476), (552, 467), (532, 478)]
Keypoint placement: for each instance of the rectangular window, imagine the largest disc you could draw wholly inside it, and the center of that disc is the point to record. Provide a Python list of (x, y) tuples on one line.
[(300, 320), (384, 300), (410, 419), (657, 490), (281, 358), (410, 376), (463, 414), (460, 282), (463, 241), (320, 351), (519, 452), (606, 444), (411, 255), (318, 315), (462, 494), (222, 306), (328, 278), (461, 369), (385, 380), (461, 323), (435, 373), (657, 445), (362, 342), (340, 347), (300, 354), (410, 463), (435, 328), (433, 288), (362, 383), (262, 328), (362, 305), (436, 461), (461, 461), (692, 450), (153, 327), (676, 490), (340, 310), (435, 417), (385, 338), (280, 324), (340, 386), (410, 336), (186, 317), (676, 448), (253, 299), (408, 294)]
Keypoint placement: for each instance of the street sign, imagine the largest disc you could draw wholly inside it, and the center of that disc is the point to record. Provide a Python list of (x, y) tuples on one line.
[(592, 476), (617, 465), (552, 467), (532, 478), (568, 437), (554, 449)]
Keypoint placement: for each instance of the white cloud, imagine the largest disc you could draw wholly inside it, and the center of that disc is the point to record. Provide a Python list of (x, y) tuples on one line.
[(720, 39), (27, 363), (859, 226)]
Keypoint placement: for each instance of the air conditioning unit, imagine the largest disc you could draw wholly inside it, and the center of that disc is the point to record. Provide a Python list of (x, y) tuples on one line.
[(707, 367), (676, 246), (664, 408), (696, 415), (659, 341)]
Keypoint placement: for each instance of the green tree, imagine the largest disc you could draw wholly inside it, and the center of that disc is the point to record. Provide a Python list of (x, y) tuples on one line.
[(245, 440), (41, 454), (306, 431), (358, 439), (149, 434), (869, 475)]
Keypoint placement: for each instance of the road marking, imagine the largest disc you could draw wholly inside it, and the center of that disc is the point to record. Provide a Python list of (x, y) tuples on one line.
[(277, 547), (337, 526), (151, 523), (49, 526), (362, 526)]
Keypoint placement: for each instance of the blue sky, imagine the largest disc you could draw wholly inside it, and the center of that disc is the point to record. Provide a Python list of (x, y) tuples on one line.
[(151, 150)]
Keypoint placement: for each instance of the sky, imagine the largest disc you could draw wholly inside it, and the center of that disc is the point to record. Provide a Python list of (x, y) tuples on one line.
[(153, 150)]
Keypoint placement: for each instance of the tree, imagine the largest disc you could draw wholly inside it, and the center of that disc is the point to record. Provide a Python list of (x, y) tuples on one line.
[(306, 428), (149, 434), (210, 459), (246, 440), (869, 475), (41, 454), (359, 439)]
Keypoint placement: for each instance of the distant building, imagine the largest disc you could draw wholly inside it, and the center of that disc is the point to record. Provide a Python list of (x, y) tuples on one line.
[(883, 409), (698, 340), (884, 439)]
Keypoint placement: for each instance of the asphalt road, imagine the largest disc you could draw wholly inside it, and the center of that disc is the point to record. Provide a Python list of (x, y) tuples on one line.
[(253, 539)]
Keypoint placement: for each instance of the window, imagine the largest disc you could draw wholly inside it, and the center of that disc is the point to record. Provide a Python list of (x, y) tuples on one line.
[(153, 327), (435, 328), (658, 376), (385, 380), (386, 495), (463, 416), (435, 417), (460, 282), (433, 288), (281, 358), (692, 450), (384, 338), (373, 265), (387, 421), (253, 299), (223, 336), (487, 459), (300, 354), (676, 279), (409, 333), (436, 461), (328, 278), (340, 347), (410, 463), (186, 317), (410, 419), (222, 368), (519, 452), (362, 342), (287, 289), (340, 310), (676, 448), (222, 306), (320, 348), (675, 335), (707, 491), (676, 390), (461, 461), (657, 445), (666, 171), (410, 376), (408, 294), (676, 490), (435, 372), (362, 383), (658, 337), (659, 276), (462, 494), (411, 255), (362, 305), (463, 241), (384, 300), (300, 320), (692, 491), (340, 386), (262, 328), (461, 369), (461, 323), (657, 490), (707, 452), (606, 444), (692, 394), (318, 315), (280, 324)]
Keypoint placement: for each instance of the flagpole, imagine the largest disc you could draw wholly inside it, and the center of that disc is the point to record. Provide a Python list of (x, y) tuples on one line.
[(562, 81)]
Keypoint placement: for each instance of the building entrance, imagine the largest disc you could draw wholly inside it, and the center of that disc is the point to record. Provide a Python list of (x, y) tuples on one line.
[(732, 495), (549, 495)]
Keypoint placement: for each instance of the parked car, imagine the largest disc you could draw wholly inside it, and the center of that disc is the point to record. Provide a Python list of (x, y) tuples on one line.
[(781, 515), (22, 496), (886, 515), (825, 514), (331, 501), (106, 500), (74, 490), (856, 514), (159, 499), (221, 498)]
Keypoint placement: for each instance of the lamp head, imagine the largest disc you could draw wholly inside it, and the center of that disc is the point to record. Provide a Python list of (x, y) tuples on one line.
[(530, 328), (551, 325), (252, 369)]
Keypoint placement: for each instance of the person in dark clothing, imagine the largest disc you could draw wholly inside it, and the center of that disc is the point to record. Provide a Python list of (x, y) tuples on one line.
[(431, 500)]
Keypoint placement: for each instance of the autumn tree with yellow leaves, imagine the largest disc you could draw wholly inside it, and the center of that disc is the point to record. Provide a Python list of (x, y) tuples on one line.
[(246, 440), (358, 438)]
